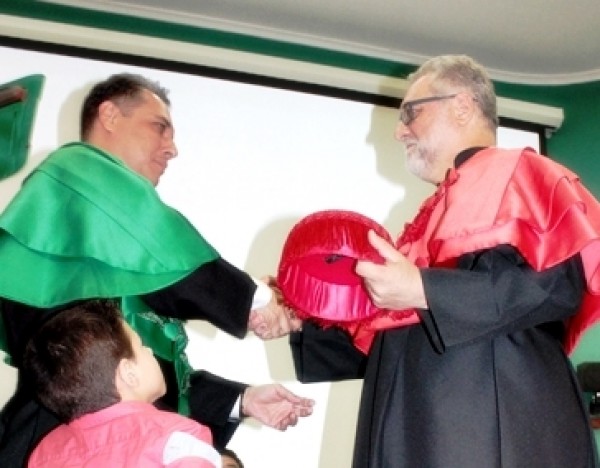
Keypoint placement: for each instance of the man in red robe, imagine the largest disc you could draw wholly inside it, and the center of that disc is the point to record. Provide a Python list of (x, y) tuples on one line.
[(496, 262)]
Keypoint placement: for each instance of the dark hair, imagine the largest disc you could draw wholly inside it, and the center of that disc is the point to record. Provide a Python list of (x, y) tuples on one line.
[(124, 89), (72, 358), (231, 454)]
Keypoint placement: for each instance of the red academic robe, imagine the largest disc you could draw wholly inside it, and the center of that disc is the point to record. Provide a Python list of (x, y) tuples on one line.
[(513, 197), (507, 247)]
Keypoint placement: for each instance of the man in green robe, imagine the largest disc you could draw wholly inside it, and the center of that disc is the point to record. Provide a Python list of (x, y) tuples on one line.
[(88, 223)]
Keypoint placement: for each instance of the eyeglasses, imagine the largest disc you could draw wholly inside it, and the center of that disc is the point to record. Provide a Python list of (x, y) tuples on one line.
[(408, 113)]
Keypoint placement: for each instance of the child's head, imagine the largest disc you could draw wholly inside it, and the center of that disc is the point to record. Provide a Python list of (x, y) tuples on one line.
[(87, 358), (229, 459)]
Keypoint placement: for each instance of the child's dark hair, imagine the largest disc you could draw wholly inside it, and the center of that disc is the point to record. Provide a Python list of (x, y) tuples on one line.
[(231, 454), (72, 359)]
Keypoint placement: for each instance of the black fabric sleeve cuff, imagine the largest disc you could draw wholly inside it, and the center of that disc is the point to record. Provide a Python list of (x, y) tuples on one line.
[(211, 400), (216, 291), (321, 355)]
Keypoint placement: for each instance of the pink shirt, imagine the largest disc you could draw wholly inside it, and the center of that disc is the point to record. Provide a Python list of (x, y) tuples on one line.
[(128, 434)]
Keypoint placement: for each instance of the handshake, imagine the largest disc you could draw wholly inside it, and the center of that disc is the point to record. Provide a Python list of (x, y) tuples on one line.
[(275, 319)]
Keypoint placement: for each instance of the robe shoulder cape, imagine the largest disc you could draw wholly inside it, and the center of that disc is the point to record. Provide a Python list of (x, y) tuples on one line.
[(514, 197), (84, 225)]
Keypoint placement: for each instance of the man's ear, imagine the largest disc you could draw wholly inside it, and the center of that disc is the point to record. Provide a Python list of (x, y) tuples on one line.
[(107, 115), (464, 107)]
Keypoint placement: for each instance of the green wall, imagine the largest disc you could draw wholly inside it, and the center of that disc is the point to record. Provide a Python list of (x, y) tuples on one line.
[(576, 144)]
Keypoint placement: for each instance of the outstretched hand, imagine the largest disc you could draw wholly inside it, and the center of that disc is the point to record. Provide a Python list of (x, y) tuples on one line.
[(275, 406), (273, 320), (396, 284)]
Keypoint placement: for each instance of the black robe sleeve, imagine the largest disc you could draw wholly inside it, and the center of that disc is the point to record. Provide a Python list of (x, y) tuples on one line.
[(497, 279), (221, 294), (211, 401), (321, 355), (217, 292), (500, 282)]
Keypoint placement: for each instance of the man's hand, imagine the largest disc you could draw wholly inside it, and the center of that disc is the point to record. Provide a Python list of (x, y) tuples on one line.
[(395, 285), (273, 320), (275, 406)]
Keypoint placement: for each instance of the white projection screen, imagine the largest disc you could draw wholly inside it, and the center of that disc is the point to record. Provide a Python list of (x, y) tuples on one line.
[(252, 161)]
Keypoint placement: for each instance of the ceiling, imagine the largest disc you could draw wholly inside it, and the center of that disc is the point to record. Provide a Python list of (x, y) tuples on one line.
[(522, 41)]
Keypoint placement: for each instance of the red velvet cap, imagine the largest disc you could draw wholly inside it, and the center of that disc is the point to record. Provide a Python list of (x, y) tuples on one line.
[(316, 271)]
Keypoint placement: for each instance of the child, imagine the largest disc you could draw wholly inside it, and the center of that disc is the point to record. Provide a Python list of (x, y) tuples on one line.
[(91, 369)]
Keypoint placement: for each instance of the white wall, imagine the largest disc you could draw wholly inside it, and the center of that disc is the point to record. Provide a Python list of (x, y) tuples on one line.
[(252, 161)]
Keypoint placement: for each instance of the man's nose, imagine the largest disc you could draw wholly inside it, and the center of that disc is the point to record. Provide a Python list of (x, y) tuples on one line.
[(400, 131), (171, 149)]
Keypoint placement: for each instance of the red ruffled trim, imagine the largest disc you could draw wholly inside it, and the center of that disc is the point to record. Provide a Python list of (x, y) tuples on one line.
[(316, 272), (543, 211)]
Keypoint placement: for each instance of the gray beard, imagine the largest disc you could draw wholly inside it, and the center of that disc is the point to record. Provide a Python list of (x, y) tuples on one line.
[(418, 166)]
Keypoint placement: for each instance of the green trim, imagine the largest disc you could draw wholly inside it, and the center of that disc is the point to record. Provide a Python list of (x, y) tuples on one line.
[(16, 124), (576, 143), (196, 35), (571, 145)]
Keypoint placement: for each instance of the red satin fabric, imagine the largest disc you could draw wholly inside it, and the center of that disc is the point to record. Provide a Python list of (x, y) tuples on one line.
[(514, 197), (316, 273)]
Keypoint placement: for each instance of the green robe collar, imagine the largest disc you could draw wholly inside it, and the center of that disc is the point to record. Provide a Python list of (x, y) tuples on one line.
[(84, 225)]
